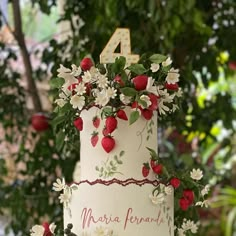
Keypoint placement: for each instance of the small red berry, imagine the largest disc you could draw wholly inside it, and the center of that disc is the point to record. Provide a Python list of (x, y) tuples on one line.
[(86, 63), (118, 80), (111, 124), (157, 169), (154, 102), (105, 132), (122, 115), (145, 169), (108, 143), (147, 114), (140, 82), (188, 194), (184, 204), (78, 123), (175, 182), (96, 122), (40, 122), (94, 139), (173, 87)]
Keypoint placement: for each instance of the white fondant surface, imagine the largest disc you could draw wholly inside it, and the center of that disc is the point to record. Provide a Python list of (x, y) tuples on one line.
[(132, 139), (126, 210)]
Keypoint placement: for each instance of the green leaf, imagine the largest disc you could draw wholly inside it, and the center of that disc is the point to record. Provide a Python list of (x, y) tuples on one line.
[(133, 117), (152, 153), (56, 82), (230, 222), (58, 120), (119, 65), (122, 153), (157, 58), (60, 137), (131, 92), (137, 69)]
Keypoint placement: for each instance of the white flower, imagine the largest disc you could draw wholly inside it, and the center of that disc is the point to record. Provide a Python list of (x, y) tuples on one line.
[(205, 190), (125, 99), (162, 108), (179, 93), (167, 62), (37, 230), (196, 174), (60, 102), (150, 87), (111, 92), (154, 67), (158, 199), (65, 94), (102, 99), (204, 203), (59, 185), (80, 89), (174, 107), (173, 76), (181, 232), (190, 225), (65, 73), (146, 99), (64, 197), (76, 71), (52, 227), (168, 190), (87, 78), (77, 102), (102, 81)]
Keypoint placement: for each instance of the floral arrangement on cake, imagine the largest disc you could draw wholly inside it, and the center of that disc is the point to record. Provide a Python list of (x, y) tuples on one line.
[(147, 86)]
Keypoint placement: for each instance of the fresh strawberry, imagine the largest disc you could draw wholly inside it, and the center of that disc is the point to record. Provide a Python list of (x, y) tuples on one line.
[(108, 143), (78, 123), (86, 63), (105, 132), (175, 182), (173, 87), (154, 102), (184, 204), (118, 80), (122, 115), (188, 194), (140, 82), (157, 169), (111, 124), (94, 138), (96, 122), (147, 114), (145, 169)]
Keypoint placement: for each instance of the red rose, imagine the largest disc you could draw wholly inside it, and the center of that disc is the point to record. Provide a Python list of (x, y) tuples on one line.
[(184, 204), (175, 182), (188, 195)]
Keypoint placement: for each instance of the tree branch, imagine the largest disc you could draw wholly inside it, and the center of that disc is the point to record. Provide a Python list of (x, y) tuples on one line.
[(19, 36)]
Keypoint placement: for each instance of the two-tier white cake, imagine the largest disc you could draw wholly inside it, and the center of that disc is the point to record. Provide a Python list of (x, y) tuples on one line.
[(113, 197)]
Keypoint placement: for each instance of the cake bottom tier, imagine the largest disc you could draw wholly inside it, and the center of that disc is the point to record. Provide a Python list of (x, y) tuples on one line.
[(118, 208)]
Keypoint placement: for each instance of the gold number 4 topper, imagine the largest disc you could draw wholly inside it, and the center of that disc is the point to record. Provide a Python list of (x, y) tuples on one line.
[(120, 36)]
